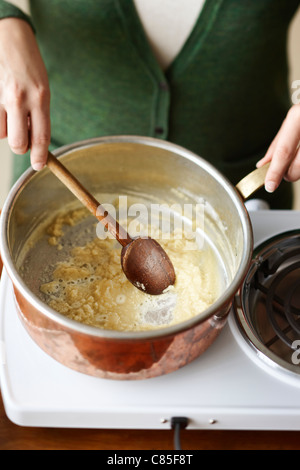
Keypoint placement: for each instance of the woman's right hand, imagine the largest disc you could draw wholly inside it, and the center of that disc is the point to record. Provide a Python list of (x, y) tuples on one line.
[(24, 92)]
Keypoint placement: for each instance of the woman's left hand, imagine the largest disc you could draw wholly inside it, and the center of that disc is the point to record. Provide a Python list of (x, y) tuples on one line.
[(284, 152)]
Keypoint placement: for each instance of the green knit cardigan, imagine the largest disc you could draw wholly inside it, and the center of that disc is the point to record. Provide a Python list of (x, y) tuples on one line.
[(224, 96)]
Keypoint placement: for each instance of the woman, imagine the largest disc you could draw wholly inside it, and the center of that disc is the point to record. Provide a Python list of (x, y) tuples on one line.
[(224, 95)]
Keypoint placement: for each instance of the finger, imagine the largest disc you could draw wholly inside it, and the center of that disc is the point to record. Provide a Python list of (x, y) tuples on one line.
[(284, 151), (3, 125), (293, 173), (264, 160), (39, 138), (17, 129)]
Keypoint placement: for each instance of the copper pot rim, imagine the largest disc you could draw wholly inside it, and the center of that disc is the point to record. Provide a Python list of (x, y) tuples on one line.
[(214, 310)]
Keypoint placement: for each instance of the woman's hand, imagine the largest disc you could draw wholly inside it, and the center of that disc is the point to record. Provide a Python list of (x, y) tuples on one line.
[(24, 92), (284, 152)]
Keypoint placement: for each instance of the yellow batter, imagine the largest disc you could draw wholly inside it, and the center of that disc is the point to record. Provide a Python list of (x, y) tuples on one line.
[(91, 287)]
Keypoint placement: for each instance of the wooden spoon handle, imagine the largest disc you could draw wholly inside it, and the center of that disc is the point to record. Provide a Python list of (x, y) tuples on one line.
[(88, 200)]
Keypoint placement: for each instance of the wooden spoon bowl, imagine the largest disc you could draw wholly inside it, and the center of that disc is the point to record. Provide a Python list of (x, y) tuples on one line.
[(147, 266)]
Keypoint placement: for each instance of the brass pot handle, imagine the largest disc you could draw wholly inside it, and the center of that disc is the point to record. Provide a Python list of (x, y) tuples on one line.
[(252, 182)]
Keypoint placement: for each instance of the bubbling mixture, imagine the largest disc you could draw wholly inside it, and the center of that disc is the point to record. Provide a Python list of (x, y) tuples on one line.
[(90, 286)]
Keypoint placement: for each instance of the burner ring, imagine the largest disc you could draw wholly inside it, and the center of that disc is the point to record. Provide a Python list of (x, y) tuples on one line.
[(288, 308), (286, 302), (268, 304)]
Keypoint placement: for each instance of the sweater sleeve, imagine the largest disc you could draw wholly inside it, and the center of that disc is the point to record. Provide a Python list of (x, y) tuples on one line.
[(8, 10)]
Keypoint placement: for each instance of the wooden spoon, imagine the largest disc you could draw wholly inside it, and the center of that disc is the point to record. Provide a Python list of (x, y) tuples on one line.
[(144, 262)]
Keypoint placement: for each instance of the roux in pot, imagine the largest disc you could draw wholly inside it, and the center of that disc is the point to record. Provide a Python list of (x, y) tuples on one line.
[(90, 286)]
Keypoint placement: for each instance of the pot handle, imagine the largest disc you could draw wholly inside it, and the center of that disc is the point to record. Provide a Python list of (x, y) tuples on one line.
[(252, 182)]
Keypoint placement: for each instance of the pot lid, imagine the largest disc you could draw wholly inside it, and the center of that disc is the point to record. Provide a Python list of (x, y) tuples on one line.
[(267, 308)]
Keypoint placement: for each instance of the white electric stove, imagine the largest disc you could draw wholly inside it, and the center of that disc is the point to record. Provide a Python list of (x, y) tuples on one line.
[(231, 386)]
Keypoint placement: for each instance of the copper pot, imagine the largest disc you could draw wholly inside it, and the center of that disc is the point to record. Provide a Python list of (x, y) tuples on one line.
[(128, 164)]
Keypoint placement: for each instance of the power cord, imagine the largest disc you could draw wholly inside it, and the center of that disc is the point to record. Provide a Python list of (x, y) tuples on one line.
[(178, 423)]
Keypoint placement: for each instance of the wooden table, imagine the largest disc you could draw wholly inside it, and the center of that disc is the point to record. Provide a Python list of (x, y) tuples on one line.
[(13, 437)]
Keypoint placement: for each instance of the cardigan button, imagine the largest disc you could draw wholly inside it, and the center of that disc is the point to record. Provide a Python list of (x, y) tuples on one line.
[(159, 130)]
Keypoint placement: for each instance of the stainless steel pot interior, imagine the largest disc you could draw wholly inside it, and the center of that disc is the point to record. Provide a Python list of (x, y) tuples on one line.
[(127, 165)]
